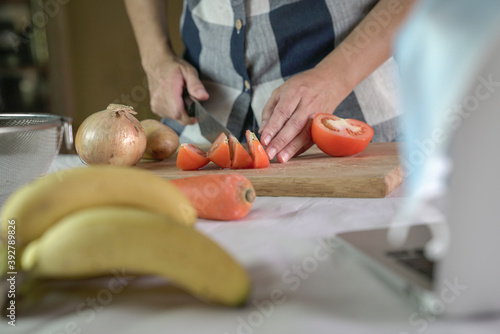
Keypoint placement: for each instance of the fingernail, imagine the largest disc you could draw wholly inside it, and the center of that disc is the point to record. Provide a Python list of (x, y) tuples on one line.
[(266, 140), (271, 153), (284, 157), (201, 92)]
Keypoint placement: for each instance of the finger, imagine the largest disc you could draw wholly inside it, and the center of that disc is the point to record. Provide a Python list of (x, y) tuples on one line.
[(174, 100), (293, 126), (162, 95), (267, 111), (187, 120), (161, 108), (182, 116), (298, 145), (304, 148), (194, 85), (175, 103), (263, 124), (282, 112)]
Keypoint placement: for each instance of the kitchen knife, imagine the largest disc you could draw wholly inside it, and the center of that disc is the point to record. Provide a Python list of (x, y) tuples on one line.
[(209, 126)]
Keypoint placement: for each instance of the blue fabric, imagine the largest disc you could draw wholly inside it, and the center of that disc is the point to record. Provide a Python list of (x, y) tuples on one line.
[(349, 108), (238, 116), (304, 34), (191, 39), (242, 67), (238, 44)]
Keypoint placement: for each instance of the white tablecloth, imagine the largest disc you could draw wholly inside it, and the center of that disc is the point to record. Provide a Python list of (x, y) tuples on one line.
[(301, 284)]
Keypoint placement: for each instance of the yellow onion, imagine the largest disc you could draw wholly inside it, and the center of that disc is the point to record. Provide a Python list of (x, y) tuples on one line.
[(112, 137)]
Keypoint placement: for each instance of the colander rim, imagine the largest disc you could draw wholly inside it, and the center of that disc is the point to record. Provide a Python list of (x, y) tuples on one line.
[(52, 121)]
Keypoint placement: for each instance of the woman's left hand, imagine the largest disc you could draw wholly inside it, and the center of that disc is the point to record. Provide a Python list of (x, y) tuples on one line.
[(287, 116)]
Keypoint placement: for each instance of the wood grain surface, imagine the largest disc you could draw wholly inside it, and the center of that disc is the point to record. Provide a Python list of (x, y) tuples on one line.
[(374, 173)]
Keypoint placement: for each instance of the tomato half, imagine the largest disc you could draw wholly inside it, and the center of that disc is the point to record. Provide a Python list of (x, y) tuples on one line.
[(190, 157), (239, 156), (340, 137), (219, 152), (257, 152)]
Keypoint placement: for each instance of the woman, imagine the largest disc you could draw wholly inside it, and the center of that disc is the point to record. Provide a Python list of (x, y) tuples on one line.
[(272, 65)]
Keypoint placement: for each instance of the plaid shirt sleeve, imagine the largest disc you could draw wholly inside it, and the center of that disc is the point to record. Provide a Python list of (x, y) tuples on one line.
[(244, 50)]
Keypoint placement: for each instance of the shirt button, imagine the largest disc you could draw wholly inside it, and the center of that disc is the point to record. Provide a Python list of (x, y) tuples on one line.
[(238, 25), (247, 85)]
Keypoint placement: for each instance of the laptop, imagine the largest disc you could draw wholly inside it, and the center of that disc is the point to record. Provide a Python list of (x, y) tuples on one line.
[(464, 279)]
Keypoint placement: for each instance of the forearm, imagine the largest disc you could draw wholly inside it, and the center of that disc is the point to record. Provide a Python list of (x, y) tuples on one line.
[(148, 19), (367, 47)]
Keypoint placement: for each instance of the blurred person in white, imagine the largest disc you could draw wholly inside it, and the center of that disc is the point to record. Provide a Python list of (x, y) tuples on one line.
[(439, 51), (449, 57)]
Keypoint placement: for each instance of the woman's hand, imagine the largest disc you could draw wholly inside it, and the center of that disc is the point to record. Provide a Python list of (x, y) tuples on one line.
[(287, 116), (284, 128), (167, 81), (168, 75)]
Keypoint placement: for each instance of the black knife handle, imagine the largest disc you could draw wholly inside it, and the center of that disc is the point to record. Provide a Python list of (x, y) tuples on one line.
[(188, 103)]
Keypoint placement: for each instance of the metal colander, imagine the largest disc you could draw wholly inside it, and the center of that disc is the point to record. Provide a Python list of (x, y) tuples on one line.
[(29, 143)]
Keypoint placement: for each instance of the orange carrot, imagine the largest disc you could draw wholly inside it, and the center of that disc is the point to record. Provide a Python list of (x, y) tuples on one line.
[(218, 196)]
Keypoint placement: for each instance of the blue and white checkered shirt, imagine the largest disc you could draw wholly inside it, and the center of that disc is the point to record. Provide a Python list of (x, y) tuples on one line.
[(244, 49)]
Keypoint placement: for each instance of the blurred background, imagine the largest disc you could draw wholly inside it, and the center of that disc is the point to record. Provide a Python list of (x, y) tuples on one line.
[(72, 57)]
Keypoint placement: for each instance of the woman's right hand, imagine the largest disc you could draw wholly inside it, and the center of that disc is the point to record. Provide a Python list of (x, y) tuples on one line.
[(167, 81)]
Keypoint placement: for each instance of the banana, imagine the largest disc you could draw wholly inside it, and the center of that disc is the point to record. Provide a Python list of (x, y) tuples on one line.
[(97, 241), (38, 205)]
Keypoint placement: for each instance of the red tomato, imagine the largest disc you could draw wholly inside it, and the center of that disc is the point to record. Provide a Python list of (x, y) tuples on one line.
[(219, 152), (190, 157), (239, 156), (340, 137), (259, 156)]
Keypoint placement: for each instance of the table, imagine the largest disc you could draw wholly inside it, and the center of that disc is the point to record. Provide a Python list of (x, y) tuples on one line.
[(301, 283)]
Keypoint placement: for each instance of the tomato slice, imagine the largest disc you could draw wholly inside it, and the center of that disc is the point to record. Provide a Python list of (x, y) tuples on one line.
[(219, 152), (191, 157), (340, 137), (239, 156), (259, 156)]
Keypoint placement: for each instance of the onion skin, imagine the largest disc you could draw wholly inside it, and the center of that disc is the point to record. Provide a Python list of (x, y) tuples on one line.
[(162, 140), (111, 137)]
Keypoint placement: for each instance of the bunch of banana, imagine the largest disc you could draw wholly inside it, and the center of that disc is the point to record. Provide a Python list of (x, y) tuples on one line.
[(38, 205), (91, 221)]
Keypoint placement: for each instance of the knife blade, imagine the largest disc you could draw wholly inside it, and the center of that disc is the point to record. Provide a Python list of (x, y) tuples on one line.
[(210, 127)]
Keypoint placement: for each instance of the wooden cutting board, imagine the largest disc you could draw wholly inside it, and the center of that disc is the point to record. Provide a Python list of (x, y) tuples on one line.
[(374, 173)]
